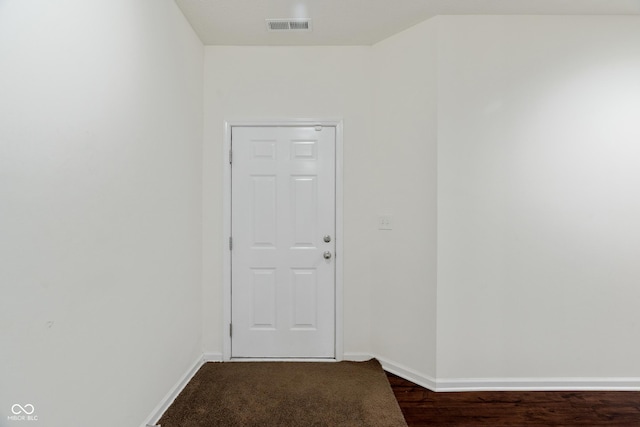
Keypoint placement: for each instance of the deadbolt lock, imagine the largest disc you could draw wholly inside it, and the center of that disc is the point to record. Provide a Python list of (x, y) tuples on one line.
[(327, 238)]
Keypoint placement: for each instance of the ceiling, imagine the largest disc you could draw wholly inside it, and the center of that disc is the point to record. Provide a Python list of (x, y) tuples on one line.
[(360, 22)]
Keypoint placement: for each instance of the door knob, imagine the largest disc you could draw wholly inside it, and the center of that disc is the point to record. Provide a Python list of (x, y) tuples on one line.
[(327, 255)]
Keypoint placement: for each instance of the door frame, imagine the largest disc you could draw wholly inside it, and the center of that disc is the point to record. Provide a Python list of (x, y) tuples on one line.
[(226, 224)]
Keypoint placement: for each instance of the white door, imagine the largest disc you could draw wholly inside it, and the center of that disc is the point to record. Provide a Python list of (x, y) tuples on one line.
[(283, 241)]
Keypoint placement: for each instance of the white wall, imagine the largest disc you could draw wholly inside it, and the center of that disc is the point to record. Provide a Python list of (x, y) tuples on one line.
[(100, 207), (293, 82), (538, 232), (403, 260)]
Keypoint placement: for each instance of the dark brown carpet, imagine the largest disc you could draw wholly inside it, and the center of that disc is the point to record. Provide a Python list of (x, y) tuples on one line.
[(286, 394)]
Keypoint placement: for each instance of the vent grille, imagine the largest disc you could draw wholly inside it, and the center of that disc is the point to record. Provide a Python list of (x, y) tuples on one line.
[(289, 24)]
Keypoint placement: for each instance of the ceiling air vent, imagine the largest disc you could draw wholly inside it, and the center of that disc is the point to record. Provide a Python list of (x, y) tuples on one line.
[(289, 24)]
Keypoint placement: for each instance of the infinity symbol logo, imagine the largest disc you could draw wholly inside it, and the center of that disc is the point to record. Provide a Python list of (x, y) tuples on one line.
[(27, 409)]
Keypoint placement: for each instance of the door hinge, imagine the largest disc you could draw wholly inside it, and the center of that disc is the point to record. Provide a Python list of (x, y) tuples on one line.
[(230, 330), (230, 157), (230, 243)]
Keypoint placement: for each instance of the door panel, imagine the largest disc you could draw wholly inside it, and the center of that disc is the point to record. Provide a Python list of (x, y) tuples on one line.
[(304, 199), (263, 210), (263, 299), (283, 204), (305, 305)]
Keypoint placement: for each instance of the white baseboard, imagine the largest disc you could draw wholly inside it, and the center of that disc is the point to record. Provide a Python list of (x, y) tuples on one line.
[(357, 357), (155, 415), (212, 357), (538, 384), (394, 368), (408, 373), (501, 384)]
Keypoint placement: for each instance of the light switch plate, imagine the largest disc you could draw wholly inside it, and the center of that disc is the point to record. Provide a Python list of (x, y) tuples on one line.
[(385, 222)]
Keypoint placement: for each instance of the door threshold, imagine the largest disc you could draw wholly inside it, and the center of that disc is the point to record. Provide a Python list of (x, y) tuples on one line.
[(282, 359)]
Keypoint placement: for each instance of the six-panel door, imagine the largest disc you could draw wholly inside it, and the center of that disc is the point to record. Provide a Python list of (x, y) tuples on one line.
[(282, 267)]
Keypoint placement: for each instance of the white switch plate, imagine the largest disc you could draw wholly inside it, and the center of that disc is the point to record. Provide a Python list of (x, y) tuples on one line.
[(385, 222)]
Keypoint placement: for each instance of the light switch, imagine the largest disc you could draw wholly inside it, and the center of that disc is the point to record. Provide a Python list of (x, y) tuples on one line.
[(385, 222)]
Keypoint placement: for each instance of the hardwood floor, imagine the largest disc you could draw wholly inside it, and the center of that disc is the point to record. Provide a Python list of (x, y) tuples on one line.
[(422, 407)]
